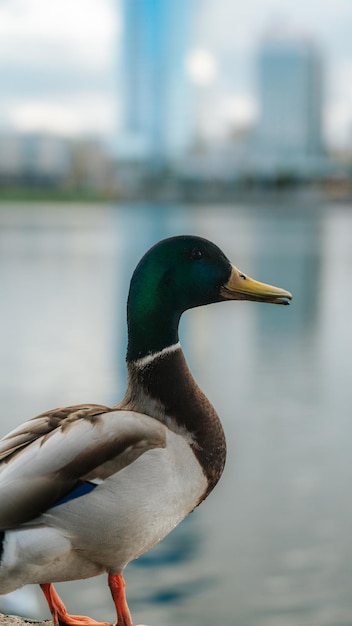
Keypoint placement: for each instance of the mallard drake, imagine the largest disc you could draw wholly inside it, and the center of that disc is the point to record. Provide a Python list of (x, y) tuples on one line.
[(88, 488)]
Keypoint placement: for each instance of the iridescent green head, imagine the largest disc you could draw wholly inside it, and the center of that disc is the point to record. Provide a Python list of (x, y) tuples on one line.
[(177, 274)]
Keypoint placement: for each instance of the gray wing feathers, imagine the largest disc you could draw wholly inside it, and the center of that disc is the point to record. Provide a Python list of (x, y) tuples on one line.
[(44, 424), (44, 459)]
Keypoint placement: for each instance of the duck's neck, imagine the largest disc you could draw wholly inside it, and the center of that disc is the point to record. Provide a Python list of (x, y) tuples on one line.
[(162, 386), (150, 330)]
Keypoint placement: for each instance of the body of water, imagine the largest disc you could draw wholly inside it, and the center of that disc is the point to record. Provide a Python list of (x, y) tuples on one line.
[(272, 544)]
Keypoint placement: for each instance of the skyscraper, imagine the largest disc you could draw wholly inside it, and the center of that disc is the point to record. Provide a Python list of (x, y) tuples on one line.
[(290, 98), (156, 93)]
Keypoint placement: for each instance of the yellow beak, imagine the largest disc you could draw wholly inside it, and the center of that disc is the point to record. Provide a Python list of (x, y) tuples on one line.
[(242, 287)]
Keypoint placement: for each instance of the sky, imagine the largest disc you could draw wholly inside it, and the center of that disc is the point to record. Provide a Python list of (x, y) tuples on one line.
[(59, 62)]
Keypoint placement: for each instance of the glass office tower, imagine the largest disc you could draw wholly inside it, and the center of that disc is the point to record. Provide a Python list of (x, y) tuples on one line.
[(290, 98), (156, 93)]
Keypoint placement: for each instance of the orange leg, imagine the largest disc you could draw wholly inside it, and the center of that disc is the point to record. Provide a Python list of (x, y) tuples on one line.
[(117, 588), (59, 613)]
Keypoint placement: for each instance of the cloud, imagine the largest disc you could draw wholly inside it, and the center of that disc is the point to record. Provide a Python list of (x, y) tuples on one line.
[(58, 60), (57, 65), (79, 33), (70, 116), (238, 25), (84, 23)]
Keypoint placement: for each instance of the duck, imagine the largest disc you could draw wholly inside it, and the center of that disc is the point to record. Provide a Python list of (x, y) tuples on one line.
[(88, 488)]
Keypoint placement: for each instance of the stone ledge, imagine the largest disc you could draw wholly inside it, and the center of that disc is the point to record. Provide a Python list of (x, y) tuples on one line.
[(14, 620)]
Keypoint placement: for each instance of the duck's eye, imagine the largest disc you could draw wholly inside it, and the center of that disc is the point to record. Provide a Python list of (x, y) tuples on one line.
[(196, 254)]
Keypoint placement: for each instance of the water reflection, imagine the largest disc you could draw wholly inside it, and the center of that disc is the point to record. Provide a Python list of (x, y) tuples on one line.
[(272, 544), (183, 547)]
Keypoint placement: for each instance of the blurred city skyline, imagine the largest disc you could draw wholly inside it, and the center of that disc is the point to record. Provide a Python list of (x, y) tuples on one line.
[(60, 65)]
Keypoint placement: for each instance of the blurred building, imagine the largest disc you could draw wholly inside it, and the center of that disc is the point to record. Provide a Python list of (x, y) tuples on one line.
[(33, 158), (91, 166), (156, 92), (290, 101), (44, 160)]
